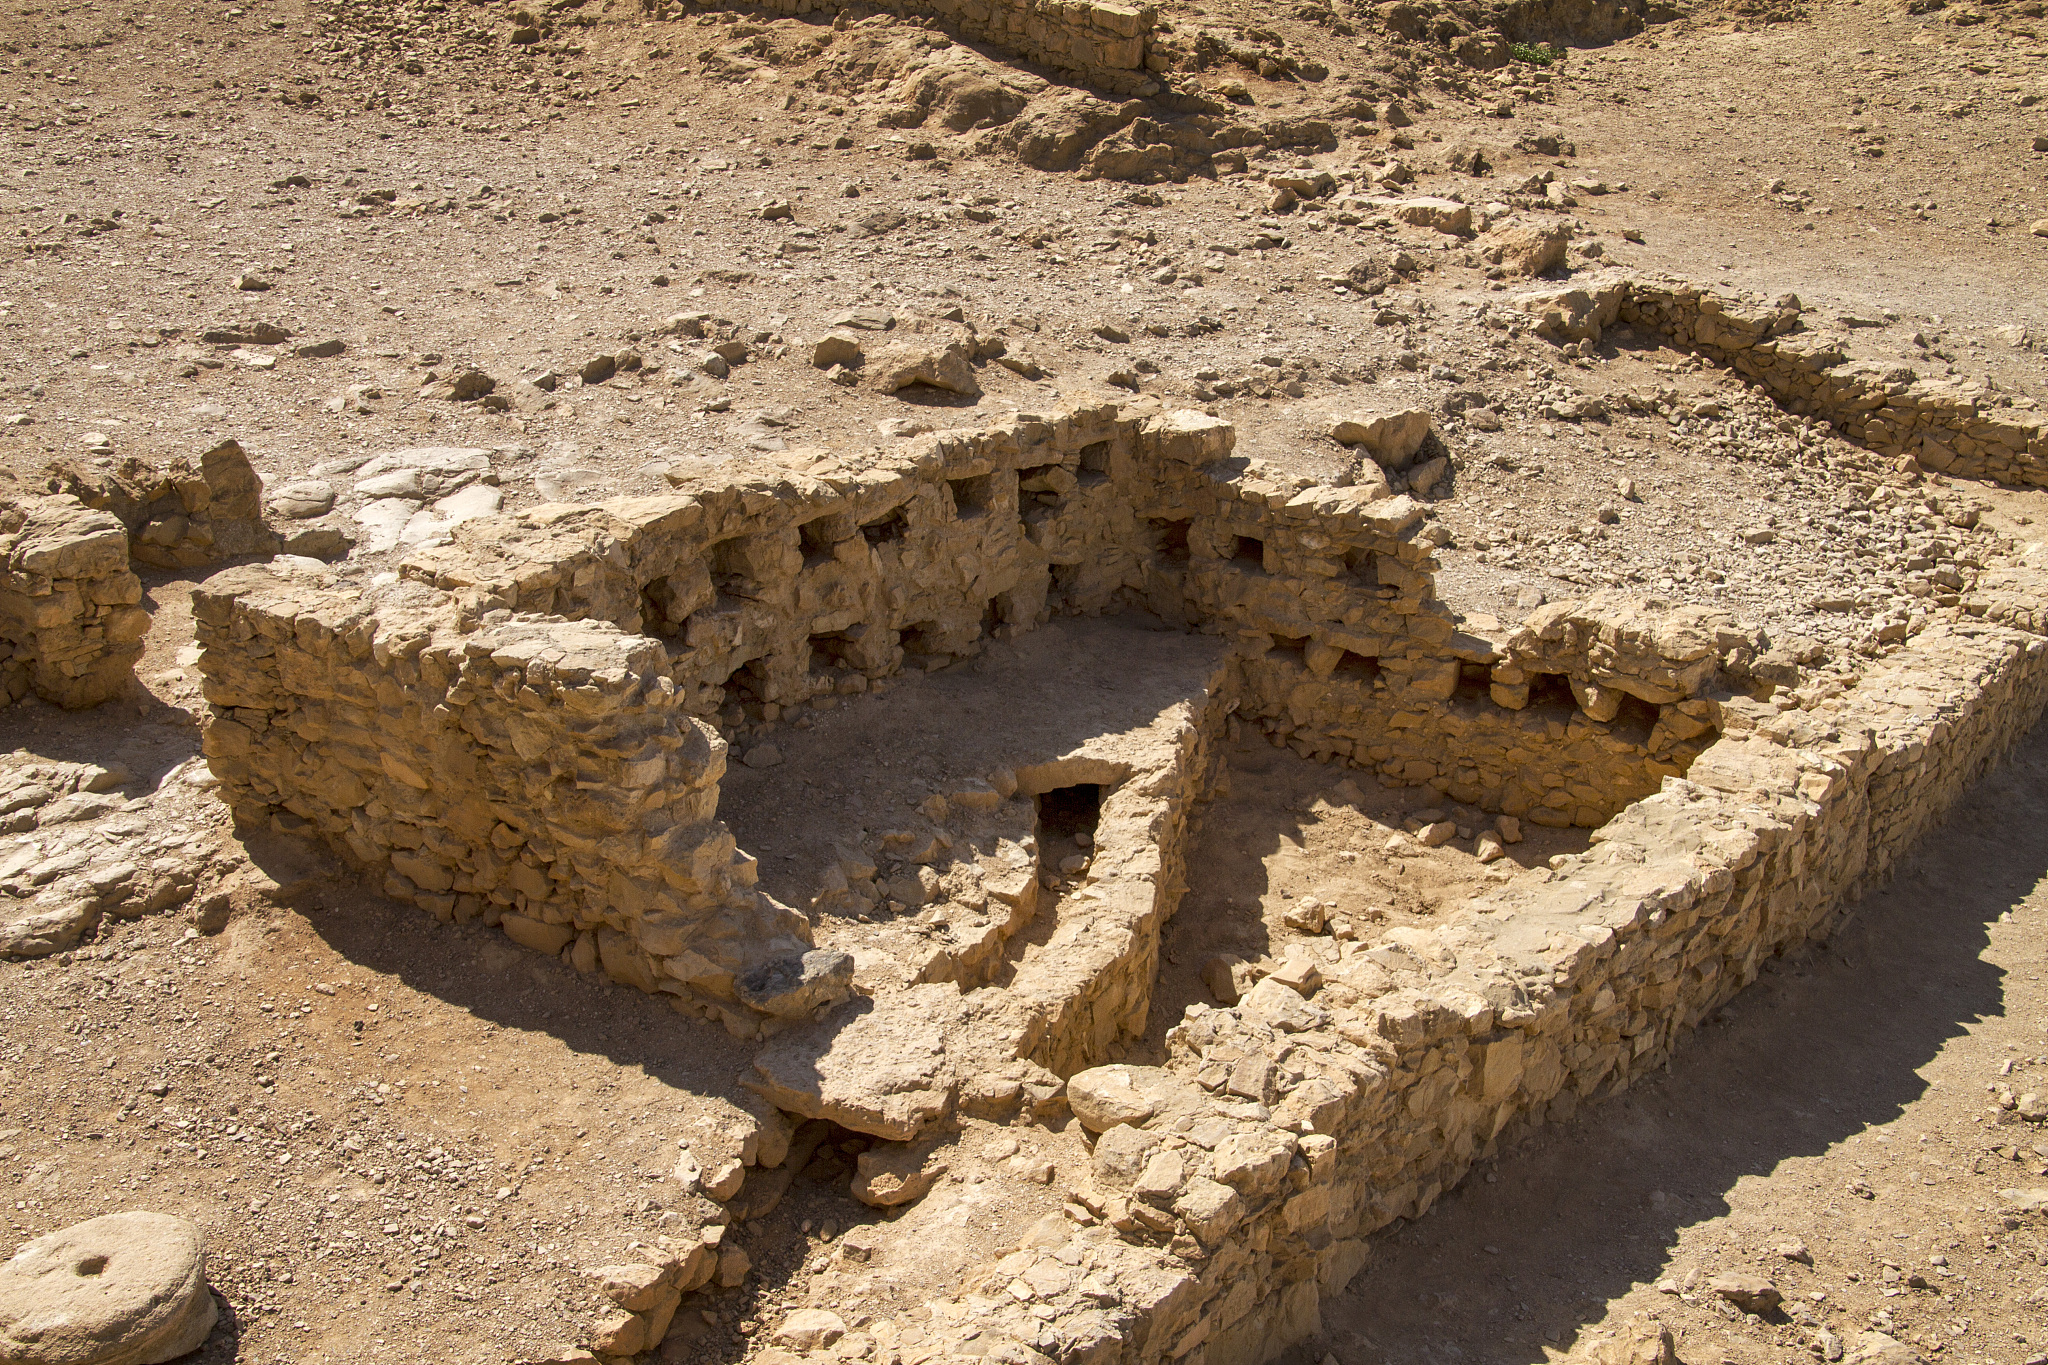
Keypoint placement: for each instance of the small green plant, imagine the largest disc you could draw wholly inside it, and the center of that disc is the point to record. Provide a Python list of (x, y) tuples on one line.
[(1536, 54)]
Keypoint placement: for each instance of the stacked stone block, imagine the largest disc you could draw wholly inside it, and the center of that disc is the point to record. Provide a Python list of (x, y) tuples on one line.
[(537, 775), (749, 593), (1233, 1190), (71, 626), (1103, 44)]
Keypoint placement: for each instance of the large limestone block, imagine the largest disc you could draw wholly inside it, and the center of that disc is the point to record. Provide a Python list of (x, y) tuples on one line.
[(1445, 215), (1527, 248), (1637, 1343), (1104, 1096), (1391, 438), (125, 1289), (939, 362), (879, 1067), (891, 1174), (1647, 648)]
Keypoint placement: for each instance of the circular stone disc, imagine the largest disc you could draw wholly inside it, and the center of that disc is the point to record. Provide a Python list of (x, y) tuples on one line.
[(126, 1289)]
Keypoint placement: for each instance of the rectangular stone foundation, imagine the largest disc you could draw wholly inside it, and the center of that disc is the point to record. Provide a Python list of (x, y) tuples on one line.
[(524, 730)]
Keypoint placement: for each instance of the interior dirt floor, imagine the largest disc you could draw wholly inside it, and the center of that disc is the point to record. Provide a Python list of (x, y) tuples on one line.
[(861, 767), (1279, 830)]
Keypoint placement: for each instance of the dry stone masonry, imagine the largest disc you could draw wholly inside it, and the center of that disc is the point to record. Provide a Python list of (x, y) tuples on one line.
[(1104, 44), (1949, 427), (71, 620), (532, 727), (71, 626), (1233, 1189)]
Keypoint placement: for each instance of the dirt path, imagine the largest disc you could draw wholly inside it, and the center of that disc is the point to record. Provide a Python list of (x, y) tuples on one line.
[(1841, 1103)]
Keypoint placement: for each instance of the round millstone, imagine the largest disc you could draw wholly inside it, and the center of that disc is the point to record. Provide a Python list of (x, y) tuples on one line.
[(125, 1289)]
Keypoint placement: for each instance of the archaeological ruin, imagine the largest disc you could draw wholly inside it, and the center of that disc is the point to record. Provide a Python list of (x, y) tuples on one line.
[(1004, 661)]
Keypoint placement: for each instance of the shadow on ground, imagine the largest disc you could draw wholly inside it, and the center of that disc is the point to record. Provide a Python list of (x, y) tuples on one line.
[(1532, 1247)]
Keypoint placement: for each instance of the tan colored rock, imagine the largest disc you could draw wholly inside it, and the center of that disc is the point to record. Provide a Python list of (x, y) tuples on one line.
[(1637, 1343), (1161, 1181), (810, 1329), (891, 1174), (938, 362), (1391, 438), (1615, 642), (1219, 974), (1526, 248), (1282, 1007), (837, 348), (123, 1289), (1210, 1209), (1121, 1153), (619, 1333), (1445, 215), (1750, 1293), (635, 1287), (1104, 1096), (537, 934), (70, 629), (181, 516), (1876, 1348), (2028, 1200)]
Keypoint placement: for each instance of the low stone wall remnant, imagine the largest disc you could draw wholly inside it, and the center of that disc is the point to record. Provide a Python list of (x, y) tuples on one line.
[(1104, 44), (1949, 427), (531, 728), (71, 624), (744, 596)]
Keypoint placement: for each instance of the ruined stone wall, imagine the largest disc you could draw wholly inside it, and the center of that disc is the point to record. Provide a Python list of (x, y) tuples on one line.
[(1948, 427), (1092, 986), (750, 593), (542, 776), (70, 625), (1549, 763), (1105, 44), (183, 516), (1233, 1189), (770, 592)]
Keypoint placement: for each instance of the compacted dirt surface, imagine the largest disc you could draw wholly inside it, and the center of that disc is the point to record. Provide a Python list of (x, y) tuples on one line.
[(405, 1141)]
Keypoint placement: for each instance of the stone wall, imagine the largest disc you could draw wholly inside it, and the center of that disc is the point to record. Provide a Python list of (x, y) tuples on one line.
[(540, 776), (1104, 44), (70, 625), (1953, 428), (1234, 1188)]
